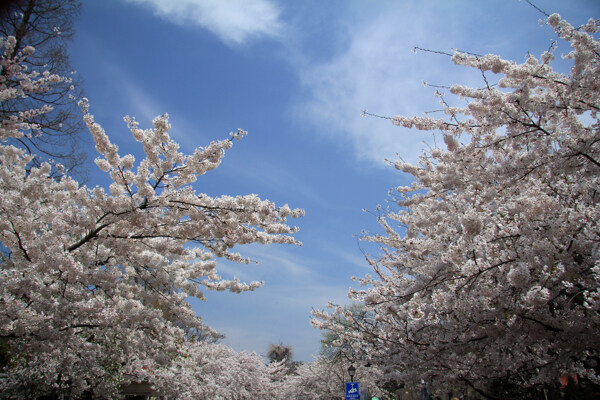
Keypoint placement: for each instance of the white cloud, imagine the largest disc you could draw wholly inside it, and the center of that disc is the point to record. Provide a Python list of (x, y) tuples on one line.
[(371, 74), (377, 70), (233, 21)]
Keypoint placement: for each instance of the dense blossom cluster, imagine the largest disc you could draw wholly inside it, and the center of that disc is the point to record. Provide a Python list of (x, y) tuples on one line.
[(215, 371), (490, 268), (93, 283)]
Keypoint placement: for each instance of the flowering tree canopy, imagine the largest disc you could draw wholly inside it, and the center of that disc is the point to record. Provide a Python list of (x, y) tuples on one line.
[(93, 283), (490, 268), (215, 371)]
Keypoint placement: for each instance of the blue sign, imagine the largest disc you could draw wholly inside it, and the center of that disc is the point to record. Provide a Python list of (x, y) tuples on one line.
[(352, 392)]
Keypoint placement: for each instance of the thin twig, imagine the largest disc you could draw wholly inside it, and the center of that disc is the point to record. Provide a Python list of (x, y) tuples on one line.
[(537, 8), (366, 113)]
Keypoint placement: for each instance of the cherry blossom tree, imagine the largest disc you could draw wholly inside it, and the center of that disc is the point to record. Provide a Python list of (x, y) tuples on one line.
[(490, 267), (93, 282)]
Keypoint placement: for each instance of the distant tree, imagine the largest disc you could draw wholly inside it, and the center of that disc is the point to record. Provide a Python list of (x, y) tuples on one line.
[(280, 352), (490, 268), (93, 283), (46, 26)]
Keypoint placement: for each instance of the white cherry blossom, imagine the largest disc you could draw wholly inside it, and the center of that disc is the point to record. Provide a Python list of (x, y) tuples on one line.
[(93, 283), (488, 269)]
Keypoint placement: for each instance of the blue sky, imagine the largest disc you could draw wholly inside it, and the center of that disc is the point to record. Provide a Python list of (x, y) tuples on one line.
[(296, 75)]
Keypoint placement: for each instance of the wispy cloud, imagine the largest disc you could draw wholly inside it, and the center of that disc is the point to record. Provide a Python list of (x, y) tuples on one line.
[(130, 95), (282, 180), (277, 263), (376, 70), (233, 21)]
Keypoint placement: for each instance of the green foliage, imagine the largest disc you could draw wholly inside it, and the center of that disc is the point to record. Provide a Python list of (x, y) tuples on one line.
[(331, 347)]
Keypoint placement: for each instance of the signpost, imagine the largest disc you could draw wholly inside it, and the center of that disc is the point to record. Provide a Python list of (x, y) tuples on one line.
[(352, 391)]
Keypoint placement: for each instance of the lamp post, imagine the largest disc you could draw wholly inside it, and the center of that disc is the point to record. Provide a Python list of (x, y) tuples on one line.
[(351, 371)]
